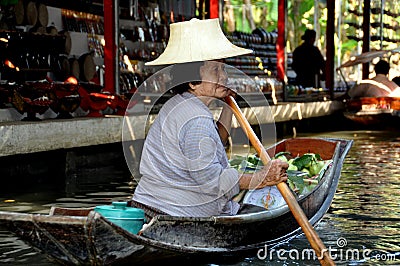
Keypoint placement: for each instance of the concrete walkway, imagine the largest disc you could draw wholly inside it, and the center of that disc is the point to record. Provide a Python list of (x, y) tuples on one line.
[(21, 137)]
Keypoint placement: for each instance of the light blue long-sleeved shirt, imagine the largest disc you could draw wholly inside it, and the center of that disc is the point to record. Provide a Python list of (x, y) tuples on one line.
[(184, 167)]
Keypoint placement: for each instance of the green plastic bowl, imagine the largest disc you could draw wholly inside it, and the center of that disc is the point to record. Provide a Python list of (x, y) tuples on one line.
[(130, 219)]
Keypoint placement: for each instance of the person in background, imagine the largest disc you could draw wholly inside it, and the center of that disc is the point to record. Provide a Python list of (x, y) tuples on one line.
[(378, 86), (184, 166), (396, 80), (308, 62), (396, 91)]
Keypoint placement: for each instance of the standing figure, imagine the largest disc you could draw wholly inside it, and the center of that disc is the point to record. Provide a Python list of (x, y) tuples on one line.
[(308, 62)]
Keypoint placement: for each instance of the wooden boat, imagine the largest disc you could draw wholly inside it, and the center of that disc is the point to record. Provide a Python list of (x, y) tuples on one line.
[(371, 111), (84, 237)]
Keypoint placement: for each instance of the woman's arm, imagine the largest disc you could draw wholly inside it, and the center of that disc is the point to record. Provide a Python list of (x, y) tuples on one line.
[(224, 124)]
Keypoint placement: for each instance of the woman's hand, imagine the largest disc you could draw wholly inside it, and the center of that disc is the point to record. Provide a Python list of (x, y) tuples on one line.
[(232, 93), (271, 174)]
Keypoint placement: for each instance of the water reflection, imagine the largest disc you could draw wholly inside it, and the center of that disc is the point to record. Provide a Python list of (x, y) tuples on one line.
[(365, 210), (364, 215), (366, 207)]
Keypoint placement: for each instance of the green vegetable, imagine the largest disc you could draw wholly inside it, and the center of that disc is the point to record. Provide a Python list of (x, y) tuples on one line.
[(282, 153), (307, 189), (292, 185), (297, 180), (316, 167), (303, 161), (254, 160), (245, 164), (235, 161), (305, 170), (282, 158), (299, 171)]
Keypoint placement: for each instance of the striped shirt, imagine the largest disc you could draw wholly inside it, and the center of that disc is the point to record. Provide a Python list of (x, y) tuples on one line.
[(184, 167), (378, 86)]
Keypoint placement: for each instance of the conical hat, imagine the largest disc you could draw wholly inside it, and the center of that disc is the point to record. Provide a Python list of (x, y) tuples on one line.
[(197, 40)]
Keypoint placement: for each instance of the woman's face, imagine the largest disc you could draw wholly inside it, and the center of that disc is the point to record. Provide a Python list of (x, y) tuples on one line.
[(213, 83)]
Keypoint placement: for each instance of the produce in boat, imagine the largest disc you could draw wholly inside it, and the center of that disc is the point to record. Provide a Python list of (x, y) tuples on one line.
[(304, 173)]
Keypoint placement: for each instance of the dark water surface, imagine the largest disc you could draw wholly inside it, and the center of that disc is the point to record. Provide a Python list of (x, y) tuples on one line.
[(362, 226)]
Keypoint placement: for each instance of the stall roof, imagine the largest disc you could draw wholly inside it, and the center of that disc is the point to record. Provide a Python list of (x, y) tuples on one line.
[(368, 57)]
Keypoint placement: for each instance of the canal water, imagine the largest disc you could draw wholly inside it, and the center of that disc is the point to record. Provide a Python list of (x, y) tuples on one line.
[(362, 226)]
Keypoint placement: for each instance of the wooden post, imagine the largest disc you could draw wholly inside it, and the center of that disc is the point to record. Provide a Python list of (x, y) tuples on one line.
[(281, 44), (111, 38), (366, 36), (214, 8), (330, 49)]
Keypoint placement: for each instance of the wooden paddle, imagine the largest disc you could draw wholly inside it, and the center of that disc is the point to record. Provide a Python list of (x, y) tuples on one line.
[(320, 250)]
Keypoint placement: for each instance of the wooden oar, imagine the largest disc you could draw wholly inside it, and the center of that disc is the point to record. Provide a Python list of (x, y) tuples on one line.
[(320, 250)]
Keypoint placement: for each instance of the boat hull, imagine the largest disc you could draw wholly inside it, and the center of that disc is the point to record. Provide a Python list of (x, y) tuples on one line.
[(374, 111), (84, 237)]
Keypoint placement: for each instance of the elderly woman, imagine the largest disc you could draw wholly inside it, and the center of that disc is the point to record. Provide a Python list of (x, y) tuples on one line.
[(184, 166)]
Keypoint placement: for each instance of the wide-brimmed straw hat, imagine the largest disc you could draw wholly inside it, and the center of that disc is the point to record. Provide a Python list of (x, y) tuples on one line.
[(197, 40)]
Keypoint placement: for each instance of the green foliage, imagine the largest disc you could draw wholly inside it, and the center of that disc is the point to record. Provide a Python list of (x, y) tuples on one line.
[(296, 179), (304, 172), (282, 153), (306, 160), (305, 6), (349, 46), (246, 164)]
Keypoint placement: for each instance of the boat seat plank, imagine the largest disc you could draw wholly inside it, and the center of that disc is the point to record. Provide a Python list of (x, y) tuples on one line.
[(70, 211)]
